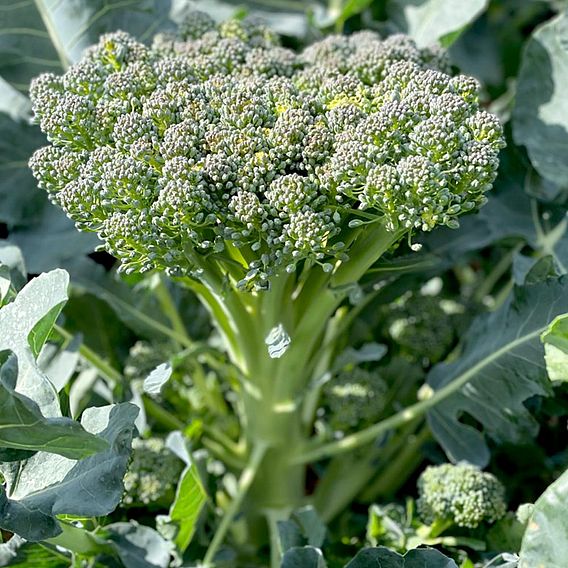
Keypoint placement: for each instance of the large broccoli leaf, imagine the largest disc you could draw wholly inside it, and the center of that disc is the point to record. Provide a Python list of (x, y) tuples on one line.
[(544, 542), (418, 558), (429, 21), (25, 325), (540, 116), (23, 427), (47, 485), (48, 35), (502, 365)]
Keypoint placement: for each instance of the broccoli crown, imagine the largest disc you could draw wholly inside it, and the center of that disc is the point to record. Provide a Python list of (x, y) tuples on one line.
[(354, 398), (221, 138), (461, 494), (152, 475), (143, 358), (421, 327)]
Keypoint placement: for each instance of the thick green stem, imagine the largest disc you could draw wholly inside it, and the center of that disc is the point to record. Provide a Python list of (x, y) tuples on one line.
[(400, 469), (245, 482), (169, 307)]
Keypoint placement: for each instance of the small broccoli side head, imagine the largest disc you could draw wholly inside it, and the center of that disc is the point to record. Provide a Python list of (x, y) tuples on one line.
[(152, 475), (221, 142), (461, 495)]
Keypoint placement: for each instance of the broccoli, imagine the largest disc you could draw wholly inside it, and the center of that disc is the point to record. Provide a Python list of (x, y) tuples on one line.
[(267, 181), (421, 327), (143, 358), (355, 398), (222, 144), (152, 476), (460, 495)]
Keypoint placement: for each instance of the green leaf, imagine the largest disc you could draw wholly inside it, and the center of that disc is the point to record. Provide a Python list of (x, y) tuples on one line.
[(23, 333), (502, 361), (154, 382), (135, 305), (371, 351), (190, 496), (430, 21), (383, 557), (555, 340), (22, 202), (138, 546), (304, 527), (531, 270), (287, 17), (16, 105), (48, 35), (545, 543), (185, 510), (540, 116), (52, 241), (47, 485), (23, 427), (11, 257), (303, 557), (17, 553)]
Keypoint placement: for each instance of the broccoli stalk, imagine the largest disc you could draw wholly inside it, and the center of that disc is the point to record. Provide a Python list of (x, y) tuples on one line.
[(268, 182)]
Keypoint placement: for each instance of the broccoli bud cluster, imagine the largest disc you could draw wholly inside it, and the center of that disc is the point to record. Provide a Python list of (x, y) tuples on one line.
[(421, 327), (221, 138), (355, 398), (152, 476), (460, 494)]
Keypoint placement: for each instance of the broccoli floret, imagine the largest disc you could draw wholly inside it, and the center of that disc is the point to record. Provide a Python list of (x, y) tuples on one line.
[(354, 398), (460, 494), (152, 476), (143, 358), (421, 327), (221, 138)]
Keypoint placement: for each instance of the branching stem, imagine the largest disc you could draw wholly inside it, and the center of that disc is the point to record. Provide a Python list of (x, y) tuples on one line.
[(245, 481)]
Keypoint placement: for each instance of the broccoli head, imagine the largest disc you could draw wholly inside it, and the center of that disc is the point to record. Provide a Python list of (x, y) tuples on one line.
[(354, 398), (152, 476), (460, 494), (220, 139), (421, 327)]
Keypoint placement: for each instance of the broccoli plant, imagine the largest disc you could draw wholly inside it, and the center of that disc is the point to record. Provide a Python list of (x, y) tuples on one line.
[(267, 182)]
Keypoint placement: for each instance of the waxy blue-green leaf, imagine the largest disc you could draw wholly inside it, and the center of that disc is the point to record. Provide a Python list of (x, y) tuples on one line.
[(431, 21), (545, 543), (288, 17), (17, 553), (24, 326), (417, 558), (303, 557), (138, 546), (52, 241), (540, 116), (21, 202), (500, 367), (49, 35), (23, 427), (304, 527), (555, 340), (154, 382), (47, 485)]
